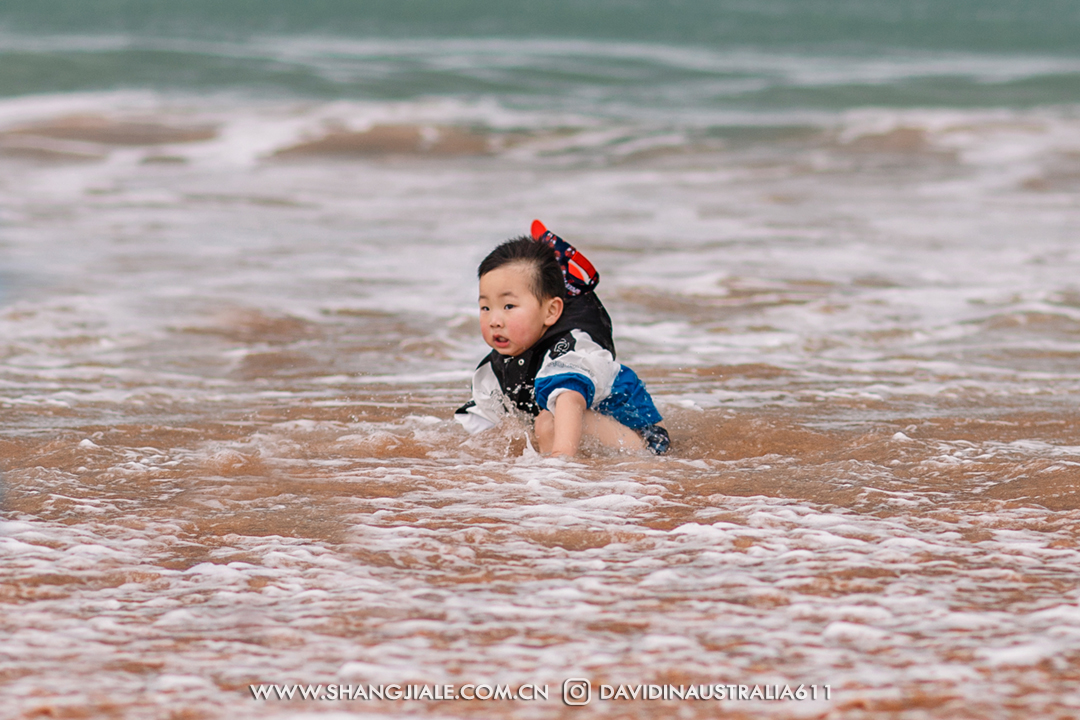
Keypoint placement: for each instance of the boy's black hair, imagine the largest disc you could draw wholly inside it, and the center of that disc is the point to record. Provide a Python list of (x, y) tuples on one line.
[(547, 273)]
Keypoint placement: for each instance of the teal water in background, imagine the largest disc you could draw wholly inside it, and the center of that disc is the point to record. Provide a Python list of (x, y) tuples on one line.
[(971, 25), (603, 57)]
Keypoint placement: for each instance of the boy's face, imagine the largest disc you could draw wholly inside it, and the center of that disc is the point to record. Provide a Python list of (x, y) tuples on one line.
[(512, 319)]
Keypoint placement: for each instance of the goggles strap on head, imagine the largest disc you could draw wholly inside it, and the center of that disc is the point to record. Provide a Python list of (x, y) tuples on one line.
[(578, 273)]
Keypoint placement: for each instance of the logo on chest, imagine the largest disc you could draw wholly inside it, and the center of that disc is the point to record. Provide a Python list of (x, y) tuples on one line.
[(561, 348)]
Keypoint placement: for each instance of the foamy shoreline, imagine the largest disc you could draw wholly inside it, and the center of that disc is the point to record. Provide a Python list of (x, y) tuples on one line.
[(233, 331)]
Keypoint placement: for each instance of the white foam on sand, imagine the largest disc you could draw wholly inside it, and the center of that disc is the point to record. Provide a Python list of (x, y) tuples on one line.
[(229, 383)]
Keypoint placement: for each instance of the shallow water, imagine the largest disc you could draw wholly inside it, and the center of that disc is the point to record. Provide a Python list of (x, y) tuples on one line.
[(234, 327), (228, 459)]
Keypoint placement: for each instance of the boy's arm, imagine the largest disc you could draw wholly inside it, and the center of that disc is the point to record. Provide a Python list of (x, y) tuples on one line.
[(569, 415), (576, 362), (485, 410)]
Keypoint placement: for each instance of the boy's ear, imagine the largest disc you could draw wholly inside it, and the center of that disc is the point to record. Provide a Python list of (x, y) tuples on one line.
[(554, 311)]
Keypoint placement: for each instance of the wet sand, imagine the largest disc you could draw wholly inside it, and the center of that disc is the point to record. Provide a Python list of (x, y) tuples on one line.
[(390, 140)]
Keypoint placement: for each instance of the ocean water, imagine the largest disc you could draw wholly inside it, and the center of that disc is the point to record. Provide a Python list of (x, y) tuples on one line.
[(838, 240)]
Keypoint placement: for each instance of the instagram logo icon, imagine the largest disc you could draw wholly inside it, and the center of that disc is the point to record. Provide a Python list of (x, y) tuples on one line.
[(576, 691)]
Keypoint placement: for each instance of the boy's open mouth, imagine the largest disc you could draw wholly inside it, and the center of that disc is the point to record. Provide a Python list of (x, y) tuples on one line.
[(500, 340)]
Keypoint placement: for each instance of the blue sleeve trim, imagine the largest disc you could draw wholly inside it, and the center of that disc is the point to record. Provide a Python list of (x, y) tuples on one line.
[(571, 381), (629, 402)]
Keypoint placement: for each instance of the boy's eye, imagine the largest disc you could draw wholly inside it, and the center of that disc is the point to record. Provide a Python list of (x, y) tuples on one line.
[(508, 306)]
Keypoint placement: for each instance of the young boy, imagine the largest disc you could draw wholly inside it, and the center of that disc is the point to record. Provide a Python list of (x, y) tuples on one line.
[(553, 356)]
